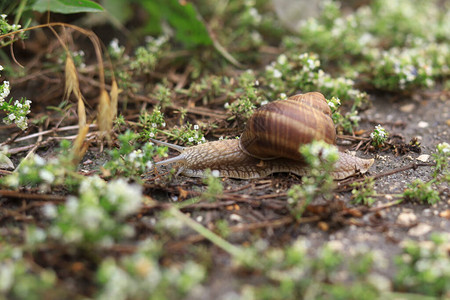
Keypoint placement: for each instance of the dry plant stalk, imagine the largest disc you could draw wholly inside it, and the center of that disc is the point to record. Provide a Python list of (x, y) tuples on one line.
[(80, 146), (72, 83), (106, 110), (104, 114), (81, 114), (114, 98)]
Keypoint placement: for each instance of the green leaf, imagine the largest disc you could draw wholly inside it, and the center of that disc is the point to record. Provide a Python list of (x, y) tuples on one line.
[(66, 6), (189, 28)]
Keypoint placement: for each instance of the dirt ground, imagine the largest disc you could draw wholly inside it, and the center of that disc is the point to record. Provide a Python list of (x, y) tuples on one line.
[(382, 227)]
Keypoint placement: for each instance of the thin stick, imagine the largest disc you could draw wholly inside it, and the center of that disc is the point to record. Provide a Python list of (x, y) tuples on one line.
[(208, 234)]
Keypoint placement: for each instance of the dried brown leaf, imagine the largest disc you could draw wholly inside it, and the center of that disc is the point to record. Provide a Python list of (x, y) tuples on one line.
[(81, 114), (104, 115), (72, 83), (80, 146), (114, 98)]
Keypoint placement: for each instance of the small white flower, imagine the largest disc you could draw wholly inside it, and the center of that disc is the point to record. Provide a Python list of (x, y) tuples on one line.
[(12, 116), (215, 173), (114, 44), (282, 59), (191, 139), (39, 161), (72, 205), (3, 16), (255, 15), (50, 211), (47, 176), (1, 67), (154, 125), (277, 73), (196, 127)]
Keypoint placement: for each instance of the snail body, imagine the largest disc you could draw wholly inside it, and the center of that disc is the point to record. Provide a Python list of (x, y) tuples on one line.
[(270, 143)]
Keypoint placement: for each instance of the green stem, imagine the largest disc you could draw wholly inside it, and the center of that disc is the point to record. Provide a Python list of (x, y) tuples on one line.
[(214, 238)]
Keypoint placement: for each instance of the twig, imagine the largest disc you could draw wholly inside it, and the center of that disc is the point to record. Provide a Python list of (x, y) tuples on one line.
[(26, 196), (37, 134)]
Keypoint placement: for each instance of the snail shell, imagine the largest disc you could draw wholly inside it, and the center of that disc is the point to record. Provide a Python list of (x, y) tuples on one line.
[(279, 129), (270, 143)]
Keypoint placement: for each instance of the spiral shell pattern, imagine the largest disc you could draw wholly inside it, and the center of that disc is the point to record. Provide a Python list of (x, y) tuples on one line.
[(279, 128)]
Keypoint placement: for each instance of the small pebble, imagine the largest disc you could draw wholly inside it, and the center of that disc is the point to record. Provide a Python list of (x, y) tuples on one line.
[(423, 124), (407, 108), (445, 214), (423, 157), (406, 219), (235, 217), (420, 229), (427, 212)]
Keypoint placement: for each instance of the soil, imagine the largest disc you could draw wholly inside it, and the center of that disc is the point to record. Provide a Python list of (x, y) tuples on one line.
[(384, 227)]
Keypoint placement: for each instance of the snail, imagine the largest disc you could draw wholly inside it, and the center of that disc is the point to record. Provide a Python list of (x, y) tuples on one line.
[(270, 143)]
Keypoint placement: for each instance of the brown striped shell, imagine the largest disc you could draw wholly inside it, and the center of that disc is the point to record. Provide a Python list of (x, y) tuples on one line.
[(279, 128)]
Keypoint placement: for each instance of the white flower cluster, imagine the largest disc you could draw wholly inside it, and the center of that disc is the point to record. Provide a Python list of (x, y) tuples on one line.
[(135, 158), (96, 213), (140, 276), (334, 103), (5, 27), (319, 151), (115, 49), (379, 135), (273, 71), (154, 45), (4, 90), (16, 112), (443, 148)]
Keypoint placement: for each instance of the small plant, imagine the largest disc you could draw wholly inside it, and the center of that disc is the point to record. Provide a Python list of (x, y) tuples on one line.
[(37, 171), (379, 136), (140, 276), (441, 157), (21, 280), (5, 28), (95, 217), (424, 267), (320, 158), (214, 186), (16, 111), (190, 135), (130, 161), (422, 192), (147, 57), (249, 96), (151, 123), (363, 192), (400, 70)]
